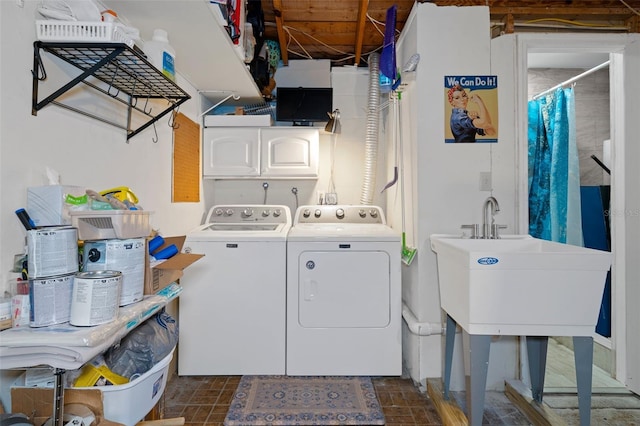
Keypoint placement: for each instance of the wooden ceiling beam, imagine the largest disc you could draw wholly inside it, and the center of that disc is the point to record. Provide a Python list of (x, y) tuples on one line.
[(363, 7), (560, 11), (282, 39)]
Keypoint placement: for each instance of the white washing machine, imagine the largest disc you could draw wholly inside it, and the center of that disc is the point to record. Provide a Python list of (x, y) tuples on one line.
[(233, 303), (343, 292)]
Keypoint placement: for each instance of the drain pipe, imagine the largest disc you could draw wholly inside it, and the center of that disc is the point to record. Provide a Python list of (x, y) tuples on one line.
[(420, 328), (371, 141)]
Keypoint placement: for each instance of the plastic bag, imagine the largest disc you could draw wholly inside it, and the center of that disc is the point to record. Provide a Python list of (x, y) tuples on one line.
[(144, 347)]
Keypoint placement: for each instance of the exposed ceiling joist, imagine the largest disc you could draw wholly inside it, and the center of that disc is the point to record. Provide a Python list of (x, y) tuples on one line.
[(346, 31), (363, 8), (282, 40)]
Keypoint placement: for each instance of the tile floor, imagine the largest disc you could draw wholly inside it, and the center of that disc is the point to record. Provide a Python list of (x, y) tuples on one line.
[(205, 401)]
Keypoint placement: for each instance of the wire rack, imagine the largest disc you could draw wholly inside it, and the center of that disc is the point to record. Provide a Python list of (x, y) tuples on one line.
[(121, 68)]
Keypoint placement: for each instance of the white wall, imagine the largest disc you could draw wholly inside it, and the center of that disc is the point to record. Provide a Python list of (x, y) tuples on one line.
[(443, 179)]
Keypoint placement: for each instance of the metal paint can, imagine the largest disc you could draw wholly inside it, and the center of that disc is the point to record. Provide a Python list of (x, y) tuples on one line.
[(126, 256), (95, 297), (52, 251), (50, 300)]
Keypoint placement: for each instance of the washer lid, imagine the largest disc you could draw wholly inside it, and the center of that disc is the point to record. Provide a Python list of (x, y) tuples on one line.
[(236, 231), (342, 232)]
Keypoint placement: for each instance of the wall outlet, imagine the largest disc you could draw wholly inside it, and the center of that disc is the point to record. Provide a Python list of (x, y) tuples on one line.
[(331, 198), (485, 181)]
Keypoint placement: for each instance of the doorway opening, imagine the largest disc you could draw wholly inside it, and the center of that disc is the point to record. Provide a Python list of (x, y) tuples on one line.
[(588, 75), (581, 53)]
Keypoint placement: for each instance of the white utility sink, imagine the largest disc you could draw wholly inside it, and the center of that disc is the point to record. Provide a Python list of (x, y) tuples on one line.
[(520, 285)]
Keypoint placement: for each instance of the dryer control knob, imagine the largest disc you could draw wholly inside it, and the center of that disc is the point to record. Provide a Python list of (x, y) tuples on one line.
[(219, 212), (362, 213), (373, 213), (266, 213), (247, 212), (340, 213), (317, 213), (228, 212), (277, 213), (306, 213)]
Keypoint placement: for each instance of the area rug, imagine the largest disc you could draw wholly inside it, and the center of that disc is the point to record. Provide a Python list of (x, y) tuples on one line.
[(304, 400)]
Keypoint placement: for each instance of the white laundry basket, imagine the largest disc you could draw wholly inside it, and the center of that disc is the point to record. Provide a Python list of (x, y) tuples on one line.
[(131, 402), (128, 403), (77, 31)]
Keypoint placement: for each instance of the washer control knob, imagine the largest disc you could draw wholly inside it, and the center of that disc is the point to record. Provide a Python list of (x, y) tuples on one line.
[(228, 212), (219, 212), (340, 213), (266, 213), (306, 213), (373, 213), (362, 213), (247, 212), (277, 213), (317, 213)]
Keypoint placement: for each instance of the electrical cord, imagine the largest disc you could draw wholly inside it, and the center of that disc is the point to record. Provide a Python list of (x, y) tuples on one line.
[(265, 185), (294, 191)]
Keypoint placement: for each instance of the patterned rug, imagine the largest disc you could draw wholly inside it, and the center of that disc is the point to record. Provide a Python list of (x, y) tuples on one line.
[(304, 400)]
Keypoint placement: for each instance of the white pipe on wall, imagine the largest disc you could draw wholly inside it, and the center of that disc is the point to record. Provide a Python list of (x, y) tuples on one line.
[(420, 328)]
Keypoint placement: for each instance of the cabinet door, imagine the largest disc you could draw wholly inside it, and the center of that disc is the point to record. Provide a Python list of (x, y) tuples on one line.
[(289, 152), (231, 152)]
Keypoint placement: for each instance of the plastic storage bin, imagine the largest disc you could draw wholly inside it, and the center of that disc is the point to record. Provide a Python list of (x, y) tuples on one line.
[(131, 402), (110, 224), (53, 30)]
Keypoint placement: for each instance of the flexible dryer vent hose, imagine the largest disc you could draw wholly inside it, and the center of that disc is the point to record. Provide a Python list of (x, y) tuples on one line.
[(371, 141)]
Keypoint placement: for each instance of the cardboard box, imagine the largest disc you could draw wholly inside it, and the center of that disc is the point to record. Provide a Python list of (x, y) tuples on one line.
[(46, 205), (162, 274), (38, 402)]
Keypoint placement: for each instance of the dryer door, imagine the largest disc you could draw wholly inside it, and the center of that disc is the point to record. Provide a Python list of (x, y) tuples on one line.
[(345, 289)]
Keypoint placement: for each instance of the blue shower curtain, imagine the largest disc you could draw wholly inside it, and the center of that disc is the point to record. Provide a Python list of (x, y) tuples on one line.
[(554, 174)]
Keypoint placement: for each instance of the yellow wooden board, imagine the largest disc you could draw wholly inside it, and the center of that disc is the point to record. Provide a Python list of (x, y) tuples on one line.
[(186, 160)]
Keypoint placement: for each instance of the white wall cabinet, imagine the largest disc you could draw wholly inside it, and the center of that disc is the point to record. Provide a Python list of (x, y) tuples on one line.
[(231, 152), (260, 152), (287, 152)]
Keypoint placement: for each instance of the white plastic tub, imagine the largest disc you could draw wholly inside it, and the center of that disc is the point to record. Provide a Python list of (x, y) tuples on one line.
[(131, 402), (111, 224), (80, 31)]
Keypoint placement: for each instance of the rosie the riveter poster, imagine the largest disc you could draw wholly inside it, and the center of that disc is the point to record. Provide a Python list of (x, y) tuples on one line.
[(471, 109)]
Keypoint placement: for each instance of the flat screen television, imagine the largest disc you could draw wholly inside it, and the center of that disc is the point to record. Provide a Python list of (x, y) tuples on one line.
[(304, 105)]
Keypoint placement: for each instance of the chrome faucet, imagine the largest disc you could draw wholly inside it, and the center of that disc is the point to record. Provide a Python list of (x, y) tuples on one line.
[(489, 230)]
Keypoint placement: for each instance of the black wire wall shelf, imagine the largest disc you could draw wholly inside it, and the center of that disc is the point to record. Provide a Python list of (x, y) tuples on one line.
[(126, 75)]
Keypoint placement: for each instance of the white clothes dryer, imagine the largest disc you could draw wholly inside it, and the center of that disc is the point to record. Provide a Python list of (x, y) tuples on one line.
[(344, 308), (233, 303)]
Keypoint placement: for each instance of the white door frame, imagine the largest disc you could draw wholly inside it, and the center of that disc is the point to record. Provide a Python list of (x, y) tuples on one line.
[(615, 44)]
